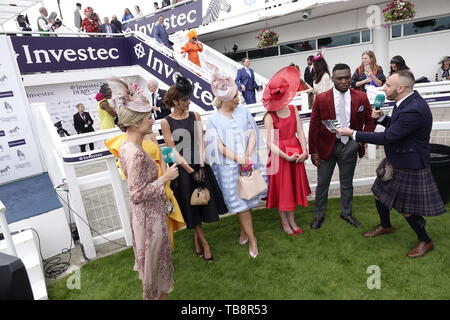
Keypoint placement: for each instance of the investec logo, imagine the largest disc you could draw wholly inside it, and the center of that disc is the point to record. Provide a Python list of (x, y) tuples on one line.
[(69, 55)]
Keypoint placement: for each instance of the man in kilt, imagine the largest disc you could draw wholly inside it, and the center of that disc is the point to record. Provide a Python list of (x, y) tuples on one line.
[(412, 190)]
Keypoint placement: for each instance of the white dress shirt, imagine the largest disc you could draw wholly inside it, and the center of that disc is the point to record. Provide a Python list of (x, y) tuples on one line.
[(347, 104)]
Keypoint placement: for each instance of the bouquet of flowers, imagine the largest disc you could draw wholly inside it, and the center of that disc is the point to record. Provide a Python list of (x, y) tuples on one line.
[(266, 38), (398, 10)]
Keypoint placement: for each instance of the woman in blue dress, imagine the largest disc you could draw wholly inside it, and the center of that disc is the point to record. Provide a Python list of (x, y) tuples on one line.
[(232, 139)]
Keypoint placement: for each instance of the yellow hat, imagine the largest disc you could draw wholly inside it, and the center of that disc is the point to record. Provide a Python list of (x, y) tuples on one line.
[(192, 34)]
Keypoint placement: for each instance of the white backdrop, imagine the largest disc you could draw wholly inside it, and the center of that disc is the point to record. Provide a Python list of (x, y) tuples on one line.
[(19, 157), (62, 98)]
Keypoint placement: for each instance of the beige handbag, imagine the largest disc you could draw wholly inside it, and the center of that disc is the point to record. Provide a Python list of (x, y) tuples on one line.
[(200, 197), (252, 185)]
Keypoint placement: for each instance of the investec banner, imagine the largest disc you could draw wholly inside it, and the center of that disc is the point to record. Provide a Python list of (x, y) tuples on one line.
[(196, 13), (175, 19), (38, 54), (167, 70), (19, 156)]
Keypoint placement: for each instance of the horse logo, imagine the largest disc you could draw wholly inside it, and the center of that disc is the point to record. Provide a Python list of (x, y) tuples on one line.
[(5, 171), (2, 79), (14, 131), (9, 108), (20, 155), (214, 9)]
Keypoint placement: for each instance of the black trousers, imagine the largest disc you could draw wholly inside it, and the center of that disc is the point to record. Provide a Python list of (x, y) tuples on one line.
[(83, 147), (345, 156)]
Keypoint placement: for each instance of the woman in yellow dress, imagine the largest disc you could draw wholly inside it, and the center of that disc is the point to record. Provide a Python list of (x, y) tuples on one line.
[(150, 145), (105, 112)]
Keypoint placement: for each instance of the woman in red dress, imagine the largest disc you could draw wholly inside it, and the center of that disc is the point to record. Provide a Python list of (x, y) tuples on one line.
[(288, 182)]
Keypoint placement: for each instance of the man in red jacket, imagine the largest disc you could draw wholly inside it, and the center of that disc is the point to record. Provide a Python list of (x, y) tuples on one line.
[(353, 110)]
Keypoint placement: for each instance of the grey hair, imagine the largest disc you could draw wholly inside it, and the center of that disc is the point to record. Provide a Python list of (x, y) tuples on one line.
[(154, 82)]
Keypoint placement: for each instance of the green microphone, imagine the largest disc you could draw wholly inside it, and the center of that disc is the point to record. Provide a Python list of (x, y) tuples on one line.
[(168, 155)]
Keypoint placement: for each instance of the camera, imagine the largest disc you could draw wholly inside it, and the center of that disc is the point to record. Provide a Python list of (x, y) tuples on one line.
[(306, 14), (57, 23)]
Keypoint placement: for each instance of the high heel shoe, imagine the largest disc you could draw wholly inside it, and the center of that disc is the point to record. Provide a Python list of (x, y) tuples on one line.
[(253, 254), (243, 242), (299, 231), (199, 253), (291, 234), (210, 259)]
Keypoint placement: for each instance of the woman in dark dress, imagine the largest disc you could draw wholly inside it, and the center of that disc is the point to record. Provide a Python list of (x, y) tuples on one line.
[(183, 131)]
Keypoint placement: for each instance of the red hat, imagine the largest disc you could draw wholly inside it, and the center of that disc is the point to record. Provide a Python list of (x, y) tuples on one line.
[(281, 89)]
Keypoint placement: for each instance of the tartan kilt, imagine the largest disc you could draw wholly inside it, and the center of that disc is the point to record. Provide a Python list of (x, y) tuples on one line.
[(411, 191)]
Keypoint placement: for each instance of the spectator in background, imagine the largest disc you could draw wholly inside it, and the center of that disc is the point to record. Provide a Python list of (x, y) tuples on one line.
[(138, 12), (156, 6), (246, 83), (107, 27), (443, 72), (322, 81), (368, 73), (192, 48), (309, 71), (127, 15), (117, 23), (160, 111), (77, 16), (165, 3), (83, 122), (91, 23), (105, 111), (303, 87), (397, 64), (161, 35), (44, 23)]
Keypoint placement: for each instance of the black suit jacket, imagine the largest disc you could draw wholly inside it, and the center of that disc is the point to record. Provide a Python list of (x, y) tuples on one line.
[(309, 76), (118, 25), (79, 123), (113, 28), (160, 94)]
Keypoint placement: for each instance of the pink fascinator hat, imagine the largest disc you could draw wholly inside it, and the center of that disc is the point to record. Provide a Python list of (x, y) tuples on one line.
[(222, 85), (130, 95)]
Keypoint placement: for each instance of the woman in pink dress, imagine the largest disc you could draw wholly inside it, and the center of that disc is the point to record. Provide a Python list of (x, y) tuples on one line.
[(151, 242), (288, 183)]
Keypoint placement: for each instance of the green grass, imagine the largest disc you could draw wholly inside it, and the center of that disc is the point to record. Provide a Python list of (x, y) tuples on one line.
[(329, 263)]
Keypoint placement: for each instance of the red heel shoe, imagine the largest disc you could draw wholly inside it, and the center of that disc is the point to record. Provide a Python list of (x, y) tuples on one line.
[(291, 234), (299, 231)]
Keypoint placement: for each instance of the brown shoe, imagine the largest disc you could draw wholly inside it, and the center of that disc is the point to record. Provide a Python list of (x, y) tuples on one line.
[(378, 231), (421, 249)]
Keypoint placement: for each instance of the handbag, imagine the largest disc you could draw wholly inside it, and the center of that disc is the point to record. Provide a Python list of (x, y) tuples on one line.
[(200, 197), (385, 171), (169, 207), (251, 185)]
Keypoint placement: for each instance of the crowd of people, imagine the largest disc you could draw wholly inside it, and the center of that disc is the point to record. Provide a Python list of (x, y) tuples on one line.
[(220, 171), (206, 177)]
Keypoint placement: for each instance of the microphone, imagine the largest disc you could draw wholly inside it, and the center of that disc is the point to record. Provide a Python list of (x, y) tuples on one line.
[(379, 101), (168, 155)]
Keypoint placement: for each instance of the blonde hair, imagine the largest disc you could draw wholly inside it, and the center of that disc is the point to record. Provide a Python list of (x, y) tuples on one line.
[(129, 117), (217, 103)]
